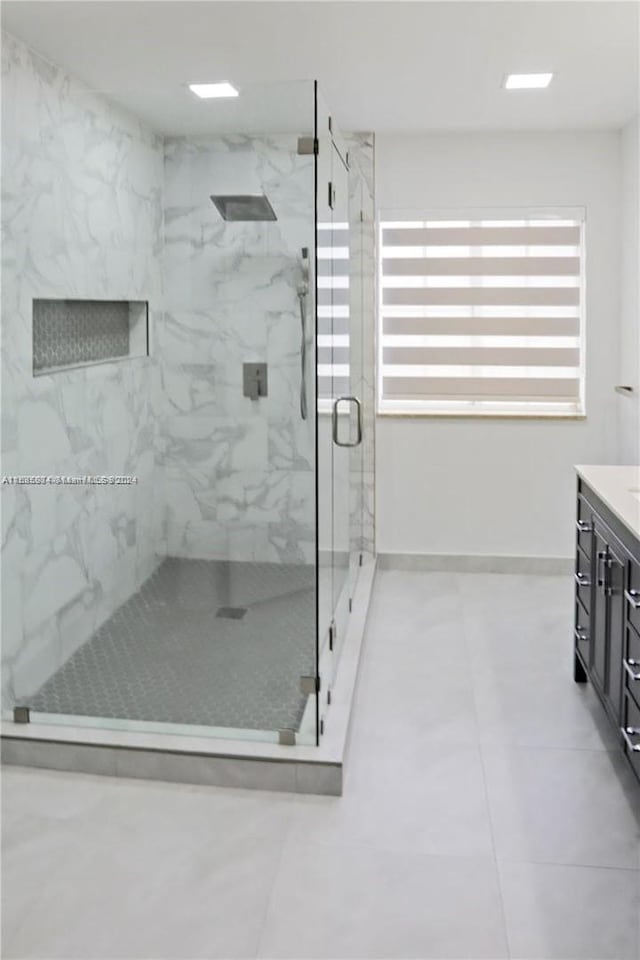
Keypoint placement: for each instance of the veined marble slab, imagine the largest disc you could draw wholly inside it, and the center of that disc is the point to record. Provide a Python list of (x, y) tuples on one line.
[(240, 473)]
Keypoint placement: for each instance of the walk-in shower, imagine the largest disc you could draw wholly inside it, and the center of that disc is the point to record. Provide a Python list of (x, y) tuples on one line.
[(203, 281)]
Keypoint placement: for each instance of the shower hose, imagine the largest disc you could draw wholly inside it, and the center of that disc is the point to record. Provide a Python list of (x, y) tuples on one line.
[(303, 357)]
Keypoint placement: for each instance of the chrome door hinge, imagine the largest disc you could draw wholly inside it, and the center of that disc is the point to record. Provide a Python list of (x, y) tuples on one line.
[(309, 685), (308, 146)]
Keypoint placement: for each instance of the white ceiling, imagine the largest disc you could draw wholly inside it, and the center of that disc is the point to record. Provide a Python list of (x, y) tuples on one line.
[(385, 66)]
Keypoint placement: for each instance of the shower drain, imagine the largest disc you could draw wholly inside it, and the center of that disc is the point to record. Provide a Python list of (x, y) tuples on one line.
[(231, 613)]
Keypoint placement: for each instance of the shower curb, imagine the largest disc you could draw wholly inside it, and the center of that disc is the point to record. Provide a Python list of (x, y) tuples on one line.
[(208, 769)]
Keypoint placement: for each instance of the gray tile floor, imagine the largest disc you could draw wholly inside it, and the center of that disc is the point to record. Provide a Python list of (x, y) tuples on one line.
[(486, 814), (202, 642)]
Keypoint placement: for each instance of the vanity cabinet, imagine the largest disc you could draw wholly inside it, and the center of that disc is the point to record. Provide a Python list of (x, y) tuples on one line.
[(607, 615)]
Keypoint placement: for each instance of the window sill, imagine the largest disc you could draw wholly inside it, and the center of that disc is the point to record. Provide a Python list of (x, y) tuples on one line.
[(479, 415)]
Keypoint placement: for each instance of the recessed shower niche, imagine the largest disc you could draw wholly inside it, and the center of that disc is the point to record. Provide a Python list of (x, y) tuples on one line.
[(73, 333)]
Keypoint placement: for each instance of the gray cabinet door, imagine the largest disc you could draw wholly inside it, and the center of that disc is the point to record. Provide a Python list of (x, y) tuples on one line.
[(616, 571), (611, 576)]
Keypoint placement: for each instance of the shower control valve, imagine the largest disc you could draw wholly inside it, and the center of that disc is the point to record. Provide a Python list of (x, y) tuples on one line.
[(254, 380)]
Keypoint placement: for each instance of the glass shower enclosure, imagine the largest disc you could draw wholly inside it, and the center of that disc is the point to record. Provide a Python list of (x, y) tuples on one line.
[(185, 289)]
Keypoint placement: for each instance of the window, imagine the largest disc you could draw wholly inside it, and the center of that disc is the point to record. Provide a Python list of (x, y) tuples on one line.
[(333, 312), (483, 315)]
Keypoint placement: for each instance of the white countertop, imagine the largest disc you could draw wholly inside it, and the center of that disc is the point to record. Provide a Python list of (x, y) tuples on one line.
[(619, 488)]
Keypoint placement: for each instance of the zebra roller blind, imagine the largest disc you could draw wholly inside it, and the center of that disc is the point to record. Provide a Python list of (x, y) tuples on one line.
[(482, 315), (333, 310)]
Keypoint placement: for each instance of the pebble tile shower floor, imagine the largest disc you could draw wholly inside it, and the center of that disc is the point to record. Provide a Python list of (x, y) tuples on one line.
[(172, 653)]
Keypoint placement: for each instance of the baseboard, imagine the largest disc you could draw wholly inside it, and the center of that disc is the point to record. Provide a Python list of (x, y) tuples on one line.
[(549, 566)]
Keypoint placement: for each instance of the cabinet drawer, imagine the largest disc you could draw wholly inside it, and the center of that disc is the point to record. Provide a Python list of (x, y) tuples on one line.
[(584, 527), (583, 580), (632, 595), (631, 663), (631, 733)]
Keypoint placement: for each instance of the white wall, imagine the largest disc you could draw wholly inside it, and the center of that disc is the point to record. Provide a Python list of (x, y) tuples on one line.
[(499, 487), (629, 407)]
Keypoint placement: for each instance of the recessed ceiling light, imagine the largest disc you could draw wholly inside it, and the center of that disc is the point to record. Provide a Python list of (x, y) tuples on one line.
[(207, 91), (528, 81)]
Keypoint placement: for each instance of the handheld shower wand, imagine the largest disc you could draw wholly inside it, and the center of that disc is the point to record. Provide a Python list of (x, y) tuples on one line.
[(303, 293)]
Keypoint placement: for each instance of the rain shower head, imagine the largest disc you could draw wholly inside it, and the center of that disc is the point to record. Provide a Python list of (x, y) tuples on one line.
[(243, 207)]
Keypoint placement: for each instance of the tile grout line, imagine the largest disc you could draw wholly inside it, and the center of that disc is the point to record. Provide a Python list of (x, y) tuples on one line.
[(463, 620), (510, 745), (296, 800), (577, 866)]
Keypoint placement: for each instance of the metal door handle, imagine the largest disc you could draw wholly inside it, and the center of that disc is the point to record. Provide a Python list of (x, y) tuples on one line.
[(609, 565), (627, 733), (584, 527), (358, 420), (633, 596), (629, 665), (602, 555), (334, 418)]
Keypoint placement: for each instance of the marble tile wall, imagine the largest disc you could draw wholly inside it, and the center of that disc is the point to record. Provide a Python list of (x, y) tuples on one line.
[(82, 214), (361, 147), (240, 479)]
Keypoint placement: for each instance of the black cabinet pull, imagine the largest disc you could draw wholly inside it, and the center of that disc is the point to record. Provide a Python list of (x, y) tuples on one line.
[(610, 584)]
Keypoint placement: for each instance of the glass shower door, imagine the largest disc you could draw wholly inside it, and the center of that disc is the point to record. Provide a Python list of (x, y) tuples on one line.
[(339, 392), (325, 325), (346, 411), (358, 196)]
